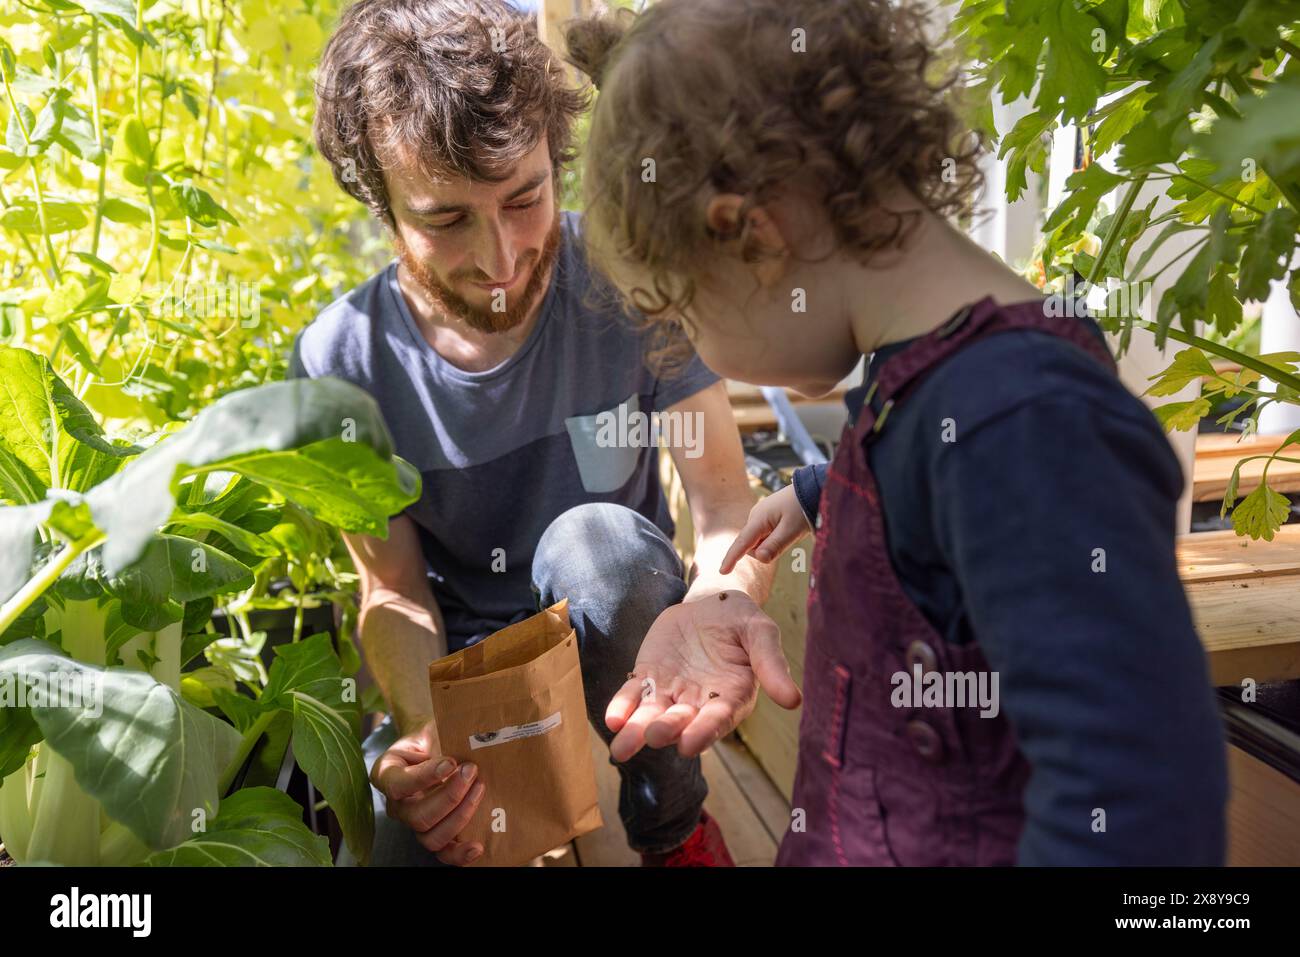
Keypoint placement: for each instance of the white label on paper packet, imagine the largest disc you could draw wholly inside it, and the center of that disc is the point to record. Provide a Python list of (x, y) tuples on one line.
[(485, 739)]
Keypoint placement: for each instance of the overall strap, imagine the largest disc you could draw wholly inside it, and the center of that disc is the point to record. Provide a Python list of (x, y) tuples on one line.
[(902, 372)]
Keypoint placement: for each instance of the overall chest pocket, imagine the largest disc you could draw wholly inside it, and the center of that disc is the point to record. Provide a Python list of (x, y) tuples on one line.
[(608, 444)]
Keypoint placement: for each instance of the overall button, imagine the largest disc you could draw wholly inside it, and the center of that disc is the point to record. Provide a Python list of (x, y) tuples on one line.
[(819, 520), (920, 653), (926, 740)]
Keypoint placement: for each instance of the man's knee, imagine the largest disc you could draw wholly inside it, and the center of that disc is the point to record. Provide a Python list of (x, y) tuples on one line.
[(602, 545)]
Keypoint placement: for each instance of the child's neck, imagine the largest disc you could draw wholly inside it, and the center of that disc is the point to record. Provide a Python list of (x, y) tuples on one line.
[(917, 289)]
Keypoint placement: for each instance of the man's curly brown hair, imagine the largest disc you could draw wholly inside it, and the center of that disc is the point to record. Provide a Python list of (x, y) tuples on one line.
[(463, 86), (718, 94)]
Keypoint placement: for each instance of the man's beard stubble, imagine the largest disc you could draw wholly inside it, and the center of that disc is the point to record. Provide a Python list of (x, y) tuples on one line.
[(443, 297)]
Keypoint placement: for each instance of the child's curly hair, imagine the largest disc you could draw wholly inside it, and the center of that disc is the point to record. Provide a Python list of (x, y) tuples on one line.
[(743, 97)]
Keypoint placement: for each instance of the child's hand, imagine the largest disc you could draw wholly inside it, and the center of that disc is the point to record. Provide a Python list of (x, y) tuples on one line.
[(775, 523)]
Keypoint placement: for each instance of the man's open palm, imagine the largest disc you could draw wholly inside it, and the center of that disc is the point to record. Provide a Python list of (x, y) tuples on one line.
[(697, 676)]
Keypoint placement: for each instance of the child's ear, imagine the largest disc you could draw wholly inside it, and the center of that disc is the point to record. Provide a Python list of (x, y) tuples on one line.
[(765, 236)]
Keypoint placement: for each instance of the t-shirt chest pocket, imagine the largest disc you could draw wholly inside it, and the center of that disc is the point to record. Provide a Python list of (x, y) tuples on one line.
[(608, 444)]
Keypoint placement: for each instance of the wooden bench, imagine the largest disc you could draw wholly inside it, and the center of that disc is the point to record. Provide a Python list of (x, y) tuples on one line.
[(1218, 454)]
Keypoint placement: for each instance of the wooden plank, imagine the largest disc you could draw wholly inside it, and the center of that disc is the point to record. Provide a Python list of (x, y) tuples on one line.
[(1225, 556), (1263, 814), (1212, 474), (1212, 444), (1249, 629), (768, 803), (606, 846), (747, 837)]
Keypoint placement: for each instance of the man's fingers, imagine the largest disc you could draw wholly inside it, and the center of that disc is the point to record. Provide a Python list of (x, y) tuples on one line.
[(713, 721), (631, 738), (445, 831), (423, 812), (624, 703), (768, 661), (668, 727), (459, 853), (398, 779)]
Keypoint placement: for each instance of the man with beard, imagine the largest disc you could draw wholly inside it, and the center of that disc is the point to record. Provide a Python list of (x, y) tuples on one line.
[(496, 365)]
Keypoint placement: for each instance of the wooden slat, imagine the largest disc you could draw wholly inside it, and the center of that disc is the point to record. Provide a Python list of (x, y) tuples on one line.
[(606, 846), (1263, 814), (1250, 629), (1225, 556), (1212, 474), (768, 803), (747, 838), (1212, 444)]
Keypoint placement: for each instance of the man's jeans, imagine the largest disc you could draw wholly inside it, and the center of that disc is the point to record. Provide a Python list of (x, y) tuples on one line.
[(618, 571)]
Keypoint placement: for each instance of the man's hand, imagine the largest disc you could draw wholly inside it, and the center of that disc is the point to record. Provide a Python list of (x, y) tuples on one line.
[(430, 794), (697, 676)]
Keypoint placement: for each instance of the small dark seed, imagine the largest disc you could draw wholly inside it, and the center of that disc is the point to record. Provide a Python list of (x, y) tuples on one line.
[(713, 694), (631, 675), (722, 597)]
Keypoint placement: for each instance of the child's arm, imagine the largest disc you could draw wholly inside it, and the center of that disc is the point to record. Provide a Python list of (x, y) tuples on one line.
[(1058, 520)]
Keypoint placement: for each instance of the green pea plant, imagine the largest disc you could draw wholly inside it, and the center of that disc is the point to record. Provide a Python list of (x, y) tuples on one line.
[(1200, 97), (114, 553)]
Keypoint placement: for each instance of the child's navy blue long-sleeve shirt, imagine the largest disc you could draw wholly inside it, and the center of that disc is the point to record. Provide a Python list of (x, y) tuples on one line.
[(1045, 530)]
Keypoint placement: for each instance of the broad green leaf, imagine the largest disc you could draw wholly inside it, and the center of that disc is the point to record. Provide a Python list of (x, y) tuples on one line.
[(322, 443), (197, 685), (151, 758), (121, 8), (1261, 513), (123, 211), (199, 205), (61, 216), (124, 288), (312, 667), (44, 425), (19, 120), (134, 137), (64, 298), (330, 754), (255, 827), (245, 541), (19, 525), (171, 571), (18, 731)]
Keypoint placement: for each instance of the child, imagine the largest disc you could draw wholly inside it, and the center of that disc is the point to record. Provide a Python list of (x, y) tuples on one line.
[(1001, 665)]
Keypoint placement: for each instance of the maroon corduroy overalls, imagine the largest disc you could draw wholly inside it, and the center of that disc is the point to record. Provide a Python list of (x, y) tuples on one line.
[(880, 785)]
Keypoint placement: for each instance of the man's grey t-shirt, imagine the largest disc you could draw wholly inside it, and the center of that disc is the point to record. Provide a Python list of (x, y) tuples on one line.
[(503, 452)]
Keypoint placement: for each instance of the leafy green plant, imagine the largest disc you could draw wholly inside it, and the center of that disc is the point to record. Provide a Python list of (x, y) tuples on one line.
[(1199, 97), (165, 226), (114, 554)]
